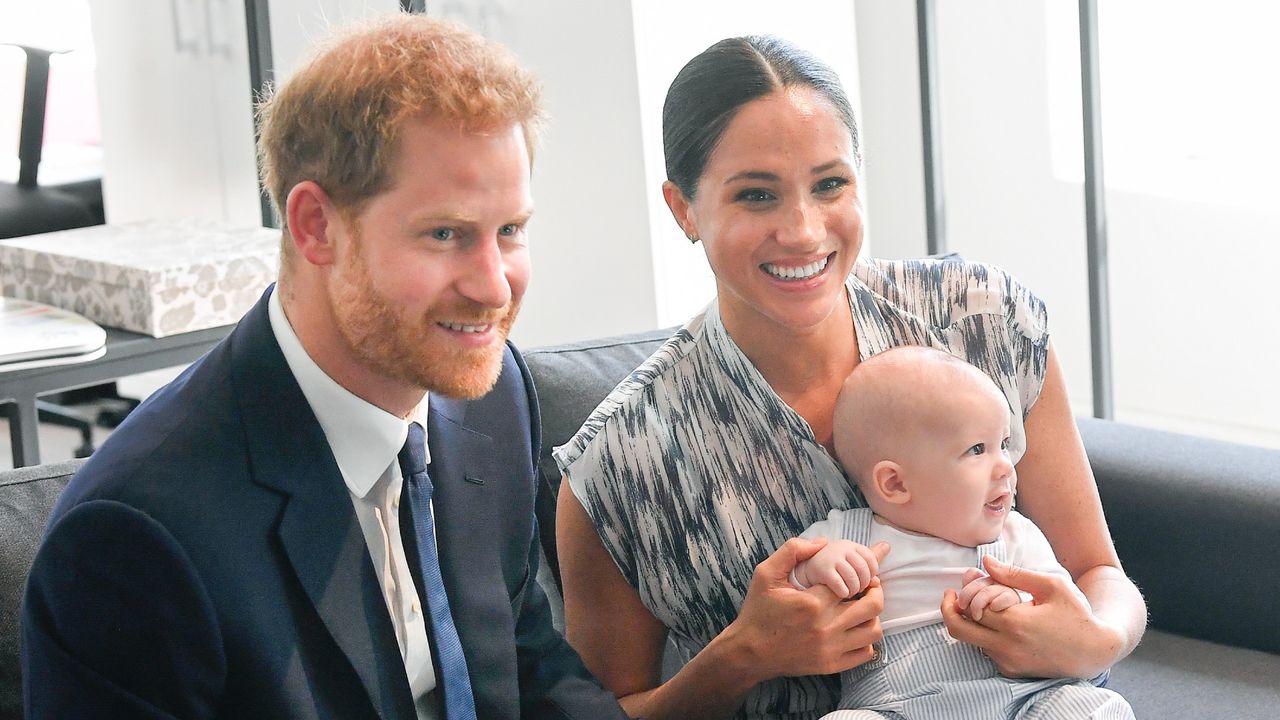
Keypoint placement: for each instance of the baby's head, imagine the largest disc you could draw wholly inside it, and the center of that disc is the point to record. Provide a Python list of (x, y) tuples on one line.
[(925, 436)]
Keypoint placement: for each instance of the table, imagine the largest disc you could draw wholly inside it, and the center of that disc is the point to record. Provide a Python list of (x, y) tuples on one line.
[(128, 353)]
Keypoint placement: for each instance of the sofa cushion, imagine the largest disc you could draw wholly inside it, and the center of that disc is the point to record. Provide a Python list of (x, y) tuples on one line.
[(27, 496), (1169, 676)]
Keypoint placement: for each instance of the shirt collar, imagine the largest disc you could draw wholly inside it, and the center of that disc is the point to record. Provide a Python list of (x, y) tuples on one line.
[(364, 438)]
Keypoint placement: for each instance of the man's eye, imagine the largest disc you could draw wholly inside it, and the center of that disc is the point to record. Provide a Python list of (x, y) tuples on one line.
[(442, 234), (830, 184), (977, 449), (755, 195), (509, 229)]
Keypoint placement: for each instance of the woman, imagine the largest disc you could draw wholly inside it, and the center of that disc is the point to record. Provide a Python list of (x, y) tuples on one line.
[(687, 483)]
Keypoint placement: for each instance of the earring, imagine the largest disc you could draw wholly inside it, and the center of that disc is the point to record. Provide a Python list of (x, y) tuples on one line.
[(692, 238)]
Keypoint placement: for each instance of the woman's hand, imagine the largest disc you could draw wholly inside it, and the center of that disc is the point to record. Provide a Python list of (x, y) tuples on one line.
[(1054, 635), (981, 594), (782, 631)]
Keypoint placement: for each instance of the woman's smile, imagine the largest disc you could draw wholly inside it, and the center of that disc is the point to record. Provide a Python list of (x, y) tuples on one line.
[(792, 272)]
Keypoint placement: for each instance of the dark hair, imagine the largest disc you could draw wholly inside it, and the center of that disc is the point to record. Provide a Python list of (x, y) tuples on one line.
[(710, 88)]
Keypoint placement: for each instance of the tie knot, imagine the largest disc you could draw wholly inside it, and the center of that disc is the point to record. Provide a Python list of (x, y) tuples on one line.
[(413, 456)]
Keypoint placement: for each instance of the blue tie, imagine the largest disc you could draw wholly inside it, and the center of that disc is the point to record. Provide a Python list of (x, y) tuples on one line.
[(452, 671)]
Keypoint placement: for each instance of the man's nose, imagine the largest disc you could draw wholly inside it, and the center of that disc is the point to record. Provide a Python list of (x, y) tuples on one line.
[(484, 279)]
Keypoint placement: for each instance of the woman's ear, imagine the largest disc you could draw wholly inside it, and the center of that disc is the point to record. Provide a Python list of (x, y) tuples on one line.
[(890, 483), (312, 219), (680, 210)]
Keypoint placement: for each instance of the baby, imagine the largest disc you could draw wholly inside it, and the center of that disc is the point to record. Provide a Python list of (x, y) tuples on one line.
[(925, 436)]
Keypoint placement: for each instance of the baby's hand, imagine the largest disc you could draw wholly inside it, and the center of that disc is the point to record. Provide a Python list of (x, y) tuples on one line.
[(844, 566), (980, 594)]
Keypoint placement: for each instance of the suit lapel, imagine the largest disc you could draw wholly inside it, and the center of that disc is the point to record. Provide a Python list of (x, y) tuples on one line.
[(318, 530), (462, 471)]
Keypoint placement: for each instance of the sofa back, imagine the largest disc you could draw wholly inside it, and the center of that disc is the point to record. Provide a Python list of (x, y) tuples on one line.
[(1196, 523), (571, 380), (27, 496)]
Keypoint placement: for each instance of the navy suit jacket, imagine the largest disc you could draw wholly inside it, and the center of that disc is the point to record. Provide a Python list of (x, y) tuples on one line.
[(207, 561)]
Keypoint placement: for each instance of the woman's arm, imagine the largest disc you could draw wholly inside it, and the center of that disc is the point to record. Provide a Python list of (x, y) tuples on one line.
[(1057, 636), (779, 630)]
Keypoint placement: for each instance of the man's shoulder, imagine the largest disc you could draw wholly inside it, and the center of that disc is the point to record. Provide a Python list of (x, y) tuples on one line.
[(180, 440)]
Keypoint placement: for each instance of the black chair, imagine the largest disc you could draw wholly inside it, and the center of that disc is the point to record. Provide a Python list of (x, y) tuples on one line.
[(28, 208)]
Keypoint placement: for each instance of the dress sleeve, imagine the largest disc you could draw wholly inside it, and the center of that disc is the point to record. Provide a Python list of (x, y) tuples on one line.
[(604, 481), (1027, 319)]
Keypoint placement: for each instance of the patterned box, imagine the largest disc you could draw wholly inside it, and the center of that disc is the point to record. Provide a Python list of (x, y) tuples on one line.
[(158, 277)]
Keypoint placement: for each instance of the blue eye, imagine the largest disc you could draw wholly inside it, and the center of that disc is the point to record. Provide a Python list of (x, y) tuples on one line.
[(509, 229), (978, 449), (442, 234)]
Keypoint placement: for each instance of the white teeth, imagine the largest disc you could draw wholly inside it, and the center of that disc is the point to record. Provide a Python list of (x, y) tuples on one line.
[(459, 327), (804, 272)]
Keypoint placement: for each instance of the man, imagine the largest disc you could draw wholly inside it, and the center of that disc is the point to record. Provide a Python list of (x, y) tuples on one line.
[(261, 538)]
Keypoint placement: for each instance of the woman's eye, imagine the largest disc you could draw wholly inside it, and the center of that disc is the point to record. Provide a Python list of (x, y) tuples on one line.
[(755, 195), (977, 449), (442, 234), (830, 184)]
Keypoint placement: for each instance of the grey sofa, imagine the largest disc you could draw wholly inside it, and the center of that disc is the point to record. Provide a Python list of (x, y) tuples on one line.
[(1196, 522)]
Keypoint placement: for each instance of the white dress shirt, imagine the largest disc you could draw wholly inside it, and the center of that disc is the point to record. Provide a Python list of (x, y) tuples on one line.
[(365, 441)]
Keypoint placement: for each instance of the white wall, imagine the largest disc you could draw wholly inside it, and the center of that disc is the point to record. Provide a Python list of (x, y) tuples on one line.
[(295, 24), (592, 266), (892, 153), (1190, 304)]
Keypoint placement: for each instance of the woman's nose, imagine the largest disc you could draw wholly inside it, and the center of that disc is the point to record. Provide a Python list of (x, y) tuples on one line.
[(804, 227)]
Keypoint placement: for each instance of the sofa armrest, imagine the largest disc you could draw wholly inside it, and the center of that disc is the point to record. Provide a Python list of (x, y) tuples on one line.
[(1196, 523)]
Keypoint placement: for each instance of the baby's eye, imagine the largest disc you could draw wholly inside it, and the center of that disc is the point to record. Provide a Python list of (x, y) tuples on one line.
[(1004, 444), (978, 449)]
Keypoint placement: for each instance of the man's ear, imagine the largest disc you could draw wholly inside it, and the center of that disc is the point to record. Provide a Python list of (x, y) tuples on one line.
[(312, 219), (889, 482), (679, 206)]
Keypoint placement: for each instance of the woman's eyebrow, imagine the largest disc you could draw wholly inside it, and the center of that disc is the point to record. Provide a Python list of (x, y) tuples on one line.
[(752, 175), (828, 166)]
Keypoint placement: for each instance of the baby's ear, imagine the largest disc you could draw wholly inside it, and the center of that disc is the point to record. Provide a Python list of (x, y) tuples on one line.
[(888, 481)]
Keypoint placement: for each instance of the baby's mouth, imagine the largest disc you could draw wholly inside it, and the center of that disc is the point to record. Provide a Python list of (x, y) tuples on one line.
[(999, 504)]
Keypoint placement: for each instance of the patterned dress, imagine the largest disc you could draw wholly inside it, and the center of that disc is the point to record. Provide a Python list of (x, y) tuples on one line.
[(693, 470)]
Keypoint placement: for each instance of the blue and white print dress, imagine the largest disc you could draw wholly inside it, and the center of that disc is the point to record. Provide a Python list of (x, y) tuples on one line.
[(693, 470)]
